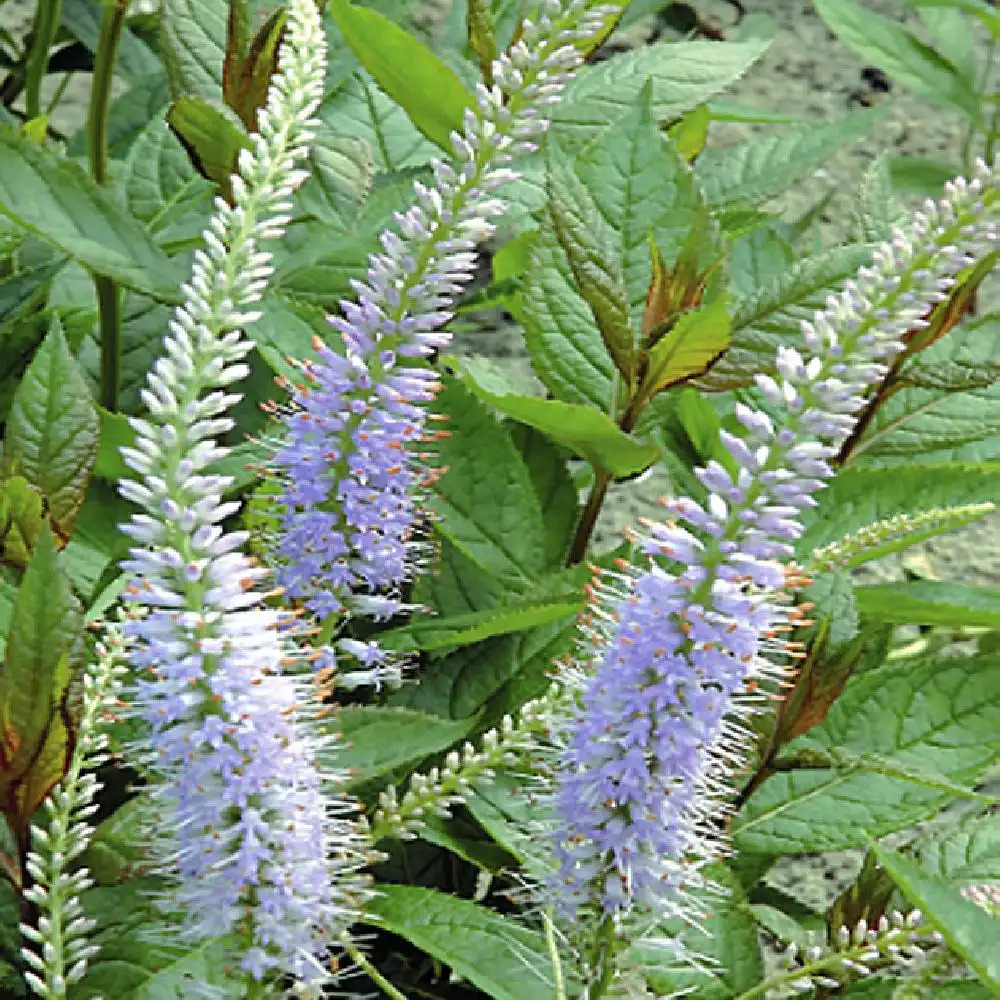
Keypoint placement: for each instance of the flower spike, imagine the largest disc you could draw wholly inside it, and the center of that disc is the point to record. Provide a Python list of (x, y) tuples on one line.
[(351, 464), (257, 849), (648, 753)]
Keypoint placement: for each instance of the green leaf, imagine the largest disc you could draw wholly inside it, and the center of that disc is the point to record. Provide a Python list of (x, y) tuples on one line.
[(557, 494), (503, 958), (908, 61), (930, 602), (432, 634), (876, 210), (22, 291), (726, 941), (771, 314), (980, 9), (857, 497), (584, 430), (193, 40), (946, 732), (376, 740), (644, 192), (342, 169), (682, 75), (43, 650), (52, 430), (921, 419), (134, 59), (968, 853), (161, 188), (767, 165), (967, 930), (507, 539), (409, 72), (212, 135), (118, 848), (591, 248), (688, 348), (836, 606), (22, 518), (56, 200)]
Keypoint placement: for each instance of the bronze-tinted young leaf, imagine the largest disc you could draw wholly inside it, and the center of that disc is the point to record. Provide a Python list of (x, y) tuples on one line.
[(689, 348), (43, 652), (249, 91), (52, 431), (594, 255), (407, 70), (867, 898), (22, 517), (212, 135), (237, 43)]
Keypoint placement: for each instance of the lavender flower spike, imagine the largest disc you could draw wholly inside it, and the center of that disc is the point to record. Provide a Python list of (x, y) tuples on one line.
[(258, 851), (350, 464), (646, 760)]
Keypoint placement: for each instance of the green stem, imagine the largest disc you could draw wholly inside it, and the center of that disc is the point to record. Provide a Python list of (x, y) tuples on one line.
[(47, 16), (558, 983), (108, 298), (602, 960), (361, 960), (588, 519)]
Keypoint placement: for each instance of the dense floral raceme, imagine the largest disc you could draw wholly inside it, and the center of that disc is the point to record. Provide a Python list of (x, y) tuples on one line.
[(679, 635), (351, 462), (257, 845)]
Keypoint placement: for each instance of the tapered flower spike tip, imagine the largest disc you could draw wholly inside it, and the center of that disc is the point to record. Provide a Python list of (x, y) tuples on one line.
[(261, 848), (358, 450), (659, 730)]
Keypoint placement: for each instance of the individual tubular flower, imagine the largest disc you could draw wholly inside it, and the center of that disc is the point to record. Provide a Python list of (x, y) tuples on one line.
[(679, 636), (256, 847), (59, 948), (350, 462)]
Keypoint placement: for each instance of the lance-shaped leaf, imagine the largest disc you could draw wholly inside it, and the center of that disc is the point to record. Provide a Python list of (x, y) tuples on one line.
[(22, 517), (409, 72), (246, 77), (594, 255), (482, 37), (212, 136), (52, 431), (967, 930), (43, 650), (689, 348), (584, 430)]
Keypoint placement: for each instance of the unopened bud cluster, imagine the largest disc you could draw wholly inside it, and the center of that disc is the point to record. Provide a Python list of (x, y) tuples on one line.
[(59, 948), (897, 941)]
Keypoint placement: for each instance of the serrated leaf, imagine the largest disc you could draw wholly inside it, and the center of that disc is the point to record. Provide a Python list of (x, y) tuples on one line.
[(507, 540), (917, 420), (554, 487), (499, 956), (22, 518), (52, 431), (766, 166), (946, 723), (907, 61), (584, 430), (409, 72), (591, 249), (930, 602), (726, 940), (134, 60), (376, 740), (341, 173), (645, 192), (860, 496), (968, 931), (56, 200), (688, 349), (43, 651), (359, 108), (432, 634), (193, 38), (771, 314), (22, 291), (160, 185), (968, 853), (876, 210), (682, 75), (834, 597)]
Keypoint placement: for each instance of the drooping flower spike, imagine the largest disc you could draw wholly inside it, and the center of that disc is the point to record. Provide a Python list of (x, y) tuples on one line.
[(644, 773), (351, 463), (257, 849)]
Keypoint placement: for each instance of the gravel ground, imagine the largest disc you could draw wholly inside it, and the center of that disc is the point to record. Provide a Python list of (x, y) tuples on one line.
[(807, 73)]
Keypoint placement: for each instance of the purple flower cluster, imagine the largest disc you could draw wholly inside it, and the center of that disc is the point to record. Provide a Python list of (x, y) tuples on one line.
[(657, 732), (352, 461), (257, 846)]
